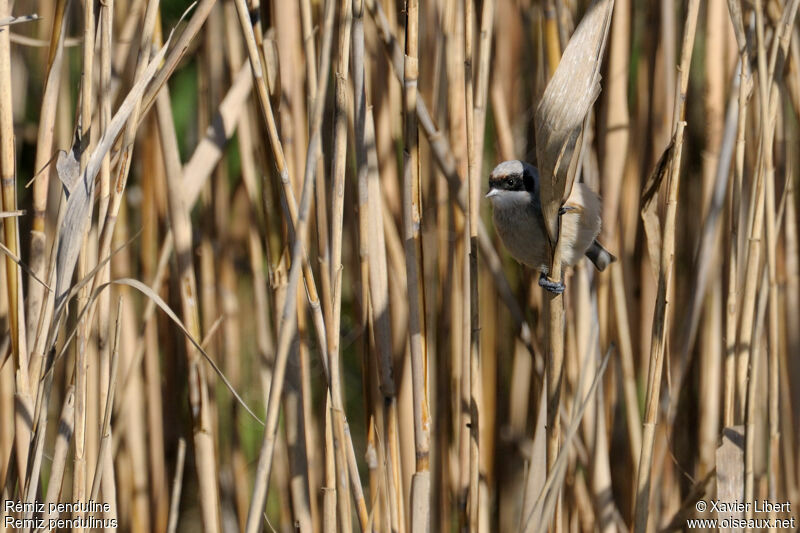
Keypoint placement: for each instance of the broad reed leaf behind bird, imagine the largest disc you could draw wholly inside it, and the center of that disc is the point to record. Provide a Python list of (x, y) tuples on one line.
[(567, 99)]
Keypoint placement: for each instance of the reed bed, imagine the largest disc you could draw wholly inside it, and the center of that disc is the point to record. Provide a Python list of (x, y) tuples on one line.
[(249, 280)]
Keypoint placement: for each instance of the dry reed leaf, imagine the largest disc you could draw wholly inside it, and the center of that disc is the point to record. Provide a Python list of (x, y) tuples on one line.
[(68, 168), (79, 203), (569, 96), (147, 291), (23, 266), (8, 21), (652, 225)]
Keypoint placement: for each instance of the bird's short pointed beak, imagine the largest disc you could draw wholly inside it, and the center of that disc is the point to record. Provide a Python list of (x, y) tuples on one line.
[(492, 193)]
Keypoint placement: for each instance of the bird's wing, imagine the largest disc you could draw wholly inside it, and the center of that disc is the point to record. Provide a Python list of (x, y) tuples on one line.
[(566, 101)]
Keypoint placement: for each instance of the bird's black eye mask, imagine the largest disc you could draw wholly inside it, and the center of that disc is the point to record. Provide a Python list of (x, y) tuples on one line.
[(514, 182)]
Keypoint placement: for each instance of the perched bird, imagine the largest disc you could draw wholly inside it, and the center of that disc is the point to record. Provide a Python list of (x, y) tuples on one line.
[(517, 216)]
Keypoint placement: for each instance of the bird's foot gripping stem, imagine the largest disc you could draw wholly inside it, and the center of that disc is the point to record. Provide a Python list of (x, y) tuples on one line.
[(552, 286)]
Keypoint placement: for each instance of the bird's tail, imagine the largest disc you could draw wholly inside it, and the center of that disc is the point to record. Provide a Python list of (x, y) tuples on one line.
[(599, 256)]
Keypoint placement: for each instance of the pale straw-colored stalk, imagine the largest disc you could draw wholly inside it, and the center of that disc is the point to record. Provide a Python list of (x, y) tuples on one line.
[(732, 289), (288, 318), (59, 464), (471, 363), (337, 219), (79, 480), (16, 315), (177, 486), (106, 423), (412, 234), (665, 279), (265, 106), (203, 435), (44, 148), (443, 155), (104, 383)]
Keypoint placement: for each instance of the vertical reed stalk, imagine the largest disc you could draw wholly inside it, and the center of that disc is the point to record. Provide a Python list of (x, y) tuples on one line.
[(44, 149), (105, 385), (108, 222), (203, 435), (732, 299), (16, 316), (177, 486), (106, 423), (279, 158), (412, 226), (337, 219), (81, 364), (665, 279), (471, 267), (379, 304), (288, 317)]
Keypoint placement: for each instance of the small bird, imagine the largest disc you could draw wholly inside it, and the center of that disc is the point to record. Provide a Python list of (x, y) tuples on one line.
[(518, 219)]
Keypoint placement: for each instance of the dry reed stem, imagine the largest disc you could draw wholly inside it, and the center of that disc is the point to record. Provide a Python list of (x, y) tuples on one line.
[(558, 130), (257, 71), (329, 488), (288, 317), (103, 384), (337, 219), (112, 211), (632, 414), (471, 368), (44, 148), (412, 225), (541, 515), (203, 436), (732, 301), (152, 176), (379, 304), (265, 457), (616, 128), (665, 278), (745, 341), (312, 88), (79, 479), (59, 464), (202, 8), (369, 266), (482, 86), (751, 436), (16, 315), (445, 160), (784, 31), (109, 402), (177, 486), (245, 212)]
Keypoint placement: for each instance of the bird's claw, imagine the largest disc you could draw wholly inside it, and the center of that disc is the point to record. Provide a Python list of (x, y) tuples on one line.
[(552, 286)]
